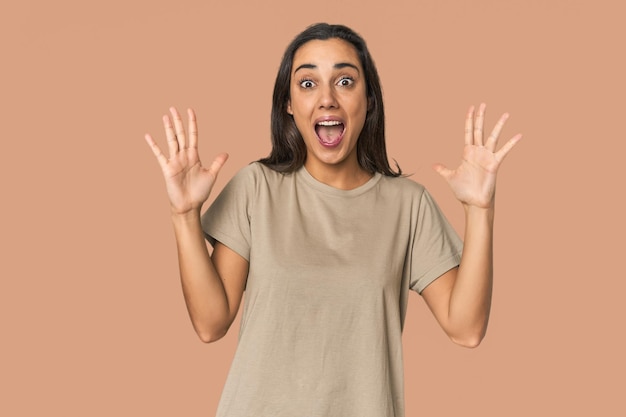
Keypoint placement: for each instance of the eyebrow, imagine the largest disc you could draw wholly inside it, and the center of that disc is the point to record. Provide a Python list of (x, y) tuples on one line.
[(338, 65)]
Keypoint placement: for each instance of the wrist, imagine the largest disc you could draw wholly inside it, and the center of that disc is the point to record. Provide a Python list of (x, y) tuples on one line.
[(189, 216), (477, 212)]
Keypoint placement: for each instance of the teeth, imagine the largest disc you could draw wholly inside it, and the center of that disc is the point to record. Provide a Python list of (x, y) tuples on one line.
[(329, 123)]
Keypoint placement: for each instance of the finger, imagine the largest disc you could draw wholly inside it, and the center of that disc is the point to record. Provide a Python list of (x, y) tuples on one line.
[(492, 140), (507, 147), (442, 170), (478, 125), (469, 125), (178, 126), (193, 129), (217, 164), (162, 160), (172, 142)]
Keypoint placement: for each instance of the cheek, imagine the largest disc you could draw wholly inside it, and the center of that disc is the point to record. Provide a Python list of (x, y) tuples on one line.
[(362, 109), (300, 102), (361, 102)]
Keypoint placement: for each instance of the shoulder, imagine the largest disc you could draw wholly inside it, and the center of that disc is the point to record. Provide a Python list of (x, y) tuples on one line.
[(250, 172), (251, 175), (258, 171), (256, 179), (407, 193), (403, 187)]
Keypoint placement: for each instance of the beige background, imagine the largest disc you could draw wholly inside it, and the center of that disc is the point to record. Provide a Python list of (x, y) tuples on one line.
[(92, 318)]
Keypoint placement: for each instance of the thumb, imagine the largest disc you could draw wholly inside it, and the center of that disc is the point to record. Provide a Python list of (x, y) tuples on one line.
[(442, 170), (217, 164)]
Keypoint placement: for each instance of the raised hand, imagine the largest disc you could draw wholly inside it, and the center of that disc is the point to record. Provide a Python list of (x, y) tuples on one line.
[(188, 183), (474, 180)]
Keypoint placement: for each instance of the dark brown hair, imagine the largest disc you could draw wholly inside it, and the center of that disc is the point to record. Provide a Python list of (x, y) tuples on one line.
[(288, 149)]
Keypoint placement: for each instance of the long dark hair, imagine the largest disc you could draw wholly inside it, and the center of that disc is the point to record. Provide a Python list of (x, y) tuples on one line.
[(288, 149)]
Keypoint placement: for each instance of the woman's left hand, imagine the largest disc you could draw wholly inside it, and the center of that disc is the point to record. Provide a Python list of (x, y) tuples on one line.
[(474, 181)]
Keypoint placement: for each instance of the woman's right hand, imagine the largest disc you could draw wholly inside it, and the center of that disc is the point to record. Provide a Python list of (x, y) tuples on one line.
[(188, 183)]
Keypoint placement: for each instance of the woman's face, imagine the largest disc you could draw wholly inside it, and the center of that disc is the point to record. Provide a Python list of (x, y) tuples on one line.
[(328, 102)]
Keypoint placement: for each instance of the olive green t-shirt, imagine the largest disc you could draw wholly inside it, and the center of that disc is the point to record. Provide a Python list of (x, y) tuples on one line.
[(327, 289)]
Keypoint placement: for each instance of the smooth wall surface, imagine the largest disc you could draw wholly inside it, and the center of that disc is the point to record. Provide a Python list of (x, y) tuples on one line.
[(92, 316)]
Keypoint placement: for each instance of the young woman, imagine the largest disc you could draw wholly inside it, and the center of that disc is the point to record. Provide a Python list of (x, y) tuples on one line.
[(327, 240)]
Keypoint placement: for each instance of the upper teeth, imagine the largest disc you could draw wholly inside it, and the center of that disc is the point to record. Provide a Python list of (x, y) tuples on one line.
[(329, 123)]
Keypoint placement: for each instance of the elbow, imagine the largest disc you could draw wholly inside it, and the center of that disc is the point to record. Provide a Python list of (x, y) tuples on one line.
[(467, 342), (468, 334), (470, 340), (210, 335), (211, 327)]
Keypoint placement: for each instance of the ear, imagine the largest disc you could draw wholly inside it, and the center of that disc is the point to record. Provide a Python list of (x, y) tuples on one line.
[(370, 104), (289, 107)]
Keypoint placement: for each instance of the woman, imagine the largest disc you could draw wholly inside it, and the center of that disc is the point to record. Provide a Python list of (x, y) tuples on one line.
[(327, 240)]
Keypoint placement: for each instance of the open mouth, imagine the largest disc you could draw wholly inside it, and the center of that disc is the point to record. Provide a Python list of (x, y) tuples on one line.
[(329, 132)]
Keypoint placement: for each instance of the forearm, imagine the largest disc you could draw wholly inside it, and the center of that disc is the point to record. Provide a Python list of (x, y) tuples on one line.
[(203, 289), (470, 298)]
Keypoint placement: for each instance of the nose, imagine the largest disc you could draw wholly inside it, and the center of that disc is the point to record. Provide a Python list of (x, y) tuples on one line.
[(327, 98)]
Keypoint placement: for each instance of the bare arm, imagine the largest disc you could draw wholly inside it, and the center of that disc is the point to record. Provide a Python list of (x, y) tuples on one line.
[(212, 286), (461, 298)]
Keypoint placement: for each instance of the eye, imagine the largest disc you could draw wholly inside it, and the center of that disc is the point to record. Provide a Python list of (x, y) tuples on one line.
[(346, 81), (306, 83)]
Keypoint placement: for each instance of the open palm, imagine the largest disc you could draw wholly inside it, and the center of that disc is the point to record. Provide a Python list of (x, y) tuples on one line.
[(188, 183), (474, 180)]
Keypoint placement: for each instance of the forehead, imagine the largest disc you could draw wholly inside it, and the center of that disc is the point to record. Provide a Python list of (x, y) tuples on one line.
[(326, 52)]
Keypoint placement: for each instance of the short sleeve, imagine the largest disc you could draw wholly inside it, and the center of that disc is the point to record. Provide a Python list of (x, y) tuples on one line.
[(227, 220), (435, 248)]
